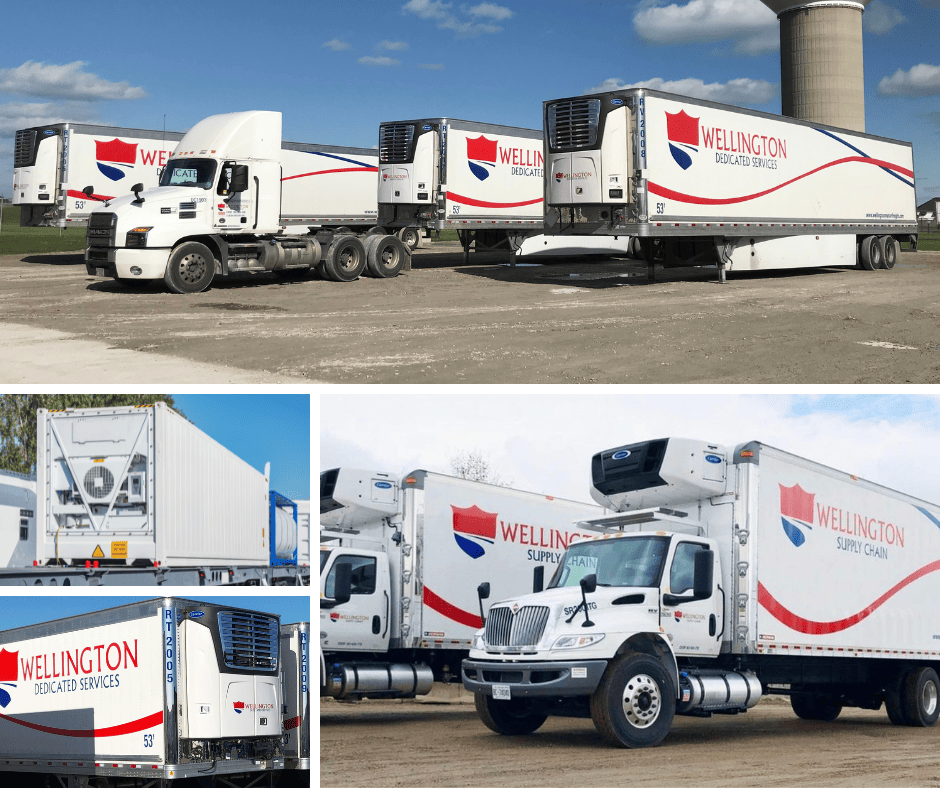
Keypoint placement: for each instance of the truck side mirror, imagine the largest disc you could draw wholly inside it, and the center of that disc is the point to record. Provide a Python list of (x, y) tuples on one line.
[(483, 592), (342, 586), (88, 191), (538, 579), (589, 584), (239, 182), (703, 574)]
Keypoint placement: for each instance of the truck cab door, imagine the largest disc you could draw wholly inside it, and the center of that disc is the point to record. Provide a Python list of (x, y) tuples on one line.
[(693, 626), (362, 623), (235, 196)]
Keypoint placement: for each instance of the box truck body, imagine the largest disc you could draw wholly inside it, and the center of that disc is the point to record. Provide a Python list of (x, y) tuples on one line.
[(17, 519), (162, 689), (141, 486), (417, 549), (295, 680), (811, 583), (700, 183), (53, 164)]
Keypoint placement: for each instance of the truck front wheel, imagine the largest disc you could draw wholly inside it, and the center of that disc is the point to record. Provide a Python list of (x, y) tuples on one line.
[(508, 717), (921, 697), (635, 703), (810, 706), (190, 268)]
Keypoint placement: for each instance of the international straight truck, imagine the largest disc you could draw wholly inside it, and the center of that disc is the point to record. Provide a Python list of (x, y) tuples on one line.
[(143, 694), (400, 562), (703, 184), (53, 164), (728, 573)]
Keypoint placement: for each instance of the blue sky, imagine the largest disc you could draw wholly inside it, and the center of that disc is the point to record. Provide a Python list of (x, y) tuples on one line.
[(336, 70), (259, 428)]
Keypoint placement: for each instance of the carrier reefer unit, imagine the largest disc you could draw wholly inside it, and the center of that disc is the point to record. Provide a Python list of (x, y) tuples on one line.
[(700, 183), (729, 573), (400, 564), (141, 486), (234, 198), (17, 519), (157, 690), (52, 165), (295, 687)]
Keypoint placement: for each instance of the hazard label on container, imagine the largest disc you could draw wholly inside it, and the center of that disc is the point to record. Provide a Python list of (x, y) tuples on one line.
[(119, 549), (98, 552)]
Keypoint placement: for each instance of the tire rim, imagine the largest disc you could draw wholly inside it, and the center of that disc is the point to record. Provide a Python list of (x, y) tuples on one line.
[(929, 698), (389, 257), (349, 258), (192, 268), (642, 701)]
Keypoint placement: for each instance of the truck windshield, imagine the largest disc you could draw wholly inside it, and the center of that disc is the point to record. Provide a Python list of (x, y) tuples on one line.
[(199, 173), (632, 561)]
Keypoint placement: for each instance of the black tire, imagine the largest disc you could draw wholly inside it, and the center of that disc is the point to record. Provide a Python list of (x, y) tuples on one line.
[(508, 717), (410, 237), (869, 253), (894, 699), (889, 252), (386, 257), (345, 260), (812, 706), (190, 268), (920, 697), (635, 703)]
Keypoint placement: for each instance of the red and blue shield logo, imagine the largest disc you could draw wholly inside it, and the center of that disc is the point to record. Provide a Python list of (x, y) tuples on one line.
[(797, 512), (682, 133), (9, 674), (474, 528), (481, 156), (115, 158)]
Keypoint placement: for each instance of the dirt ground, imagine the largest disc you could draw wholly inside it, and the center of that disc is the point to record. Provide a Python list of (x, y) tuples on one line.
[(397, 743), (560, 322)]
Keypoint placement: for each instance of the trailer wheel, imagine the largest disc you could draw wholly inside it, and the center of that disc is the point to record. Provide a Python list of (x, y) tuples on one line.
[(870, 253), (508, 717), (386, 257), (635, 702), (889, 251), (345, 259), (894, 700), (410, 237), (810, 706), (921, 697), (190, 268)]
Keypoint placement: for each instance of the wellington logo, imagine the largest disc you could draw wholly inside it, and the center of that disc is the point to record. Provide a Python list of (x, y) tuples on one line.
[(682, 133), (239, 706), (474, 528), (9, 674), (796, 512), (115, 158), (481, 153)]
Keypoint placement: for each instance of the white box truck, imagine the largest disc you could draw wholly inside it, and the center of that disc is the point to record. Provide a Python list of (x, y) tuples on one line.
[(17, 519), (400, 565), (235, 199), (295, 688), (699, 183), (52, 165), (729, 573), (157, 690)]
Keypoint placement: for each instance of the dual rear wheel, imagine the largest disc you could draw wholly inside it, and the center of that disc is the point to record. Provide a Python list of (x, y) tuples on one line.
[(876, 252)]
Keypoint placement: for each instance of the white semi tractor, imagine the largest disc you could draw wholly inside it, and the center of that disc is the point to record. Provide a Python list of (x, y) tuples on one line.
[(728, 574), (53, 164), (698, 183), (400, 562)]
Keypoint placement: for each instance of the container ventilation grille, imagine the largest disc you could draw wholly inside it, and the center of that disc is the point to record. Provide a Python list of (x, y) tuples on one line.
[(395, 143), (573, 124), (24, 148), (99, 482), (249, 640), (515, 630)]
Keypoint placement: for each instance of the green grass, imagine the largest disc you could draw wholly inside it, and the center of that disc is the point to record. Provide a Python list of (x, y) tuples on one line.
[(929, 242), (36, 240), (447, 236)]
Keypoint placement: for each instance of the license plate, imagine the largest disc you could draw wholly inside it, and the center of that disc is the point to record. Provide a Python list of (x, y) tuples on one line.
[(501, 692)]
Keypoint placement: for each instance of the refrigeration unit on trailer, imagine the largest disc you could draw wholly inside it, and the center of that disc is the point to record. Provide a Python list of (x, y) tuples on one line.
[(54, 164), (157, 690), (400, 563), (143, 487), (699, 183), (728, 574), (17, 519), (295, 688)]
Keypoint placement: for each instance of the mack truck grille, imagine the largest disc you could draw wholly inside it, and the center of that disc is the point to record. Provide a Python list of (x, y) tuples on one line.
[(573, 124), (395, 143), (249, 640), (101, 230), (24, 148), (515, 630)]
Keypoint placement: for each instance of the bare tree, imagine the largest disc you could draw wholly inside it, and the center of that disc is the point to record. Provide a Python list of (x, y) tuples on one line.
[(474, 466)]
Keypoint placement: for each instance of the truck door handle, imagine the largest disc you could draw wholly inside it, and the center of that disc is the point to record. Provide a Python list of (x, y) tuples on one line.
[(376, 625), (712, 625), (387, 613)]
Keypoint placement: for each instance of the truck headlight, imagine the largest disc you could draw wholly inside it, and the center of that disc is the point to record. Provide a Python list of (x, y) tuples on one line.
[(137, 237), (577, 641), (478, 643)]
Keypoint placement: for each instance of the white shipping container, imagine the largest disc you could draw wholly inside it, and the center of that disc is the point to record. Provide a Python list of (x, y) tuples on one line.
[(303, 533), (295, 687), (143, 485), (17, 519)]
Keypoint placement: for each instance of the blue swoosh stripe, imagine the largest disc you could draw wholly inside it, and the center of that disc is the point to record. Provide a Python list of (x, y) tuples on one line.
[(340, 158), (929, 516), (862, 153)]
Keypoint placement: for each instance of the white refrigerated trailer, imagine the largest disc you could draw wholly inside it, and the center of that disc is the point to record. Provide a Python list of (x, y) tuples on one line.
[(54, 164), (728, 574), (699, 183)]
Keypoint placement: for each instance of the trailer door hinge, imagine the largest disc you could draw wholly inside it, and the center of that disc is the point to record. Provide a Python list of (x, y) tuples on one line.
[(743, 535), (742, 568)]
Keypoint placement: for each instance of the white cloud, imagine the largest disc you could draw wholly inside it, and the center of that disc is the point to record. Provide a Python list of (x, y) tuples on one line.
[(368, 60), (391, 46), (428, 9), (921, 80), (432, 66), (67, 81), (750, 26), (466, 23), (880, 18), (735, 91), (22, 115), (491, 10), (337, 45)]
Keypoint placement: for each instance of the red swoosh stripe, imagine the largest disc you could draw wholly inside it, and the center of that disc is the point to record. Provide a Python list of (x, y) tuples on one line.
[(327, 172), (807, 627), (83, 196), (662, 191), (483, 204), (450, 611), (94, 733)]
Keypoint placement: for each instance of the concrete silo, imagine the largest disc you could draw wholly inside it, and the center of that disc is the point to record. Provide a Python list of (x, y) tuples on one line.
[(822, 77)]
